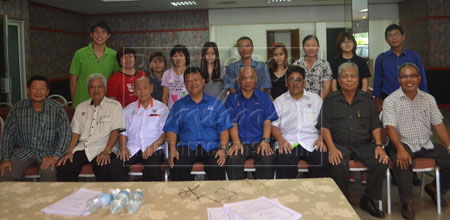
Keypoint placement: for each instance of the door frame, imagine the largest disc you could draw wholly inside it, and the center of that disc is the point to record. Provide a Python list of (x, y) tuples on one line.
[(22, 64)]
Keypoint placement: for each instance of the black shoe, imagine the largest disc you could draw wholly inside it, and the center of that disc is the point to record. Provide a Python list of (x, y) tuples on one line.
[(431, 191), (416, 180), (408, 211), (368, 205)]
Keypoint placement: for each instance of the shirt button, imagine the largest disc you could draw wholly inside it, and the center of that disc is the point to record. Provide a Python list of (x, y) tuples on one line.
[(351, 117), (351, 128)]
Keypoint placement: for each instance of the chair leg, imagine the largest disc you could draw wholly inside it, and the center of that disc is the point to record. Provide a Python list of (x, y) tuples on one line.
[(388, 190), (438, 190), (422, 185), (380, 205)]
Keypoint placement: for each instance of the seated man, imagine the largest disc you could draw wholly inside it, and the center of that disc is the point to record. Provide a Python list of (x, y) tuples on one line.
[(295, 130), (349, 121), (408, 114), (143, 138), (245, 48), (200, 122), (95, 129), (41, 129), (252, 113)]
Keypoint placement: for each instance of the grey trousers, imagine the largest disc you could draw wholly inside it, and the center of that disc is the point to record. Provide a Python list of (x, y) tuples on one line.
[(18, 170)]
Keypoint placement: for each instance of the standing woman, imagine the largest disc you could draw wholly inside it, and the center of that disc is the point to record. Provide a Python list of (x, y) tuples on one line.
[(277, 69), (212, 72), (157, 67), (172, 81), (318, 71), (121, 84), (346, 49)]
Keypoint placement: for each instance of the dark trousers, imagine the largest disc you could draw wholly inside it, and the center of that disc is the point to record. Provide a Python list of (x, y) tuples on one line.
[(70, 171), (404, 178), (375, 171), (152, 166), (181, 170), (264, 164), (287, 164)]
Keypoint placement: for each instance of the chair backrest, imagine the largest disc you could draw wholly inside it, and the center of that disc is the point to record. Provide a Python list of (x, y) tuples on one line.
[(58, 98), (4, 110)]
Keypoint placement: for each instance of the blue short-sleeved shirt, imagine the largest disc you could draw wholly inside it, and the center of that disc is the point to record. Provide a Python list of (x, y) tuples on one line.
[(198, 124), (250, 114), (386, 77), (232, 72)]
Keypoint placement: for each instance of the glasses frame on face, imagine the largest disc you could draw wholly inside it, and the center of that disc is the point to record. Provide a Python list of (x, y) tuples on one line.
[(392, 35), (347, 42), (295, 80), (411, 76)]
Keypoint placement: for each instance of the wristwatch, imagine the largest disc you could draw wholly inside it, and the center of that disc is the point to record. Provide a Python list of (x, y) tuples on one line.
[(267, 140), (448, 147), (107, 151), (379, 145)]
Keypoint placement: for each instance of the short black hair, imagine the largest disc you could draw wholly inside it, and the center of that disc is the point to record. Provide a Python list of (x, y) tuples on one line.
[(122, 51), (182, 49), (244, 38), (37, 78), (295, 69), (391, 28), (101, 24), (310, 37), (191, 70)]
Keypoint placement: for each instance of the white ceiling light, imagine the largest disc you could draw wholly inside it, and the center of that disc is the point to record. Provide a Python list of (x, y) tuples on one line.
[(183, 3), (278, 1), (364, 10), (119, 0)]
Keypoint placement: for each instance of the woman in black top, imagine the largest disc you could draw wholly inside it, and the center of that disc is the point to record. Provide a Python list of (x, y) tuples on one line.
[(346, 48), (277, 68)]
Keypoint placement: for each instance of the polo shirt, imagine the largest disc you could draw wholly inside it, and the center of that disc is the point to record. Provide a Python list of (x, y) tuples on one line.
[(385, 79), (85, 63), (412, 118), (143, 126), (94, 125), (297, 118), (232, 72), (198, 124), (350, 124), (250, 114)]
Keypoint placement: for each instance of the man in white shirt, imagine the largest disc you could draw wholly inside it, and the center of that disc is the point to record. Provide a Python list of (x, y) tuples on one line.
[(295, 130), (95, 129), (143, 138)]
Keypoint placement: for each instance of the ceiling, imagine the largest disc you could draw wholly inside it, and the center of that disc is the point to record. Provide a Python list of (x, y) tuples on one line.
[(98, 6)]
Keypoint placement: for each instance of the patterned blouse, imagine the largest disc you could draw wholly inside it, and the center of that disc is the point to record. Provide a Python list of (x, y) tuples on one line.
[(319, 73)]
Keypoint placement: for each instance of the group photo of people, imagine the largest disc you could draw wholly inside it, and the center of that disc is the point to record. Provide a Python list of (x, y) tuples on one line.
[(276, 112)]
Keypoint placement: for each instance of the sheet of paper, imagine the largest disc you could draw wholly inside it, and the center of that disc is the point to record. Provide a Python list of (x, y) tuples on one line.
[(74, 204), (261, 209), (219, 214)]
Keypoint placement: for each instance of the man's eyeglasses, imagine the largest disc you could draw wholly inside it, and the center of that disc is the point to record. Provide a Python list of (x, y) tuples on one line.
[(295, 80)]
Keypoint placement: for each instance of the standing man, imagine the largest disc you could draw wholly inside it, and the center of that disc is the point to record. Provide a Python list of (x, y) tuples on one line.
[(200, 123), (143, 139), (388, 63), (252, 113), (41, 129), (245, 47), (408, 114), (295, 129), (348, 123), (95, 58), (95, 129)]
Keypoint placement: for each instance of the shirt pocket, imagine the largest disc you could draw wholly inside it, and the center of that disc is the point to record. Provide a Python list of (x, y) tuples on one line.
[(208, 118), (338, 120), (104, 124), (309, 116), (256, 117)]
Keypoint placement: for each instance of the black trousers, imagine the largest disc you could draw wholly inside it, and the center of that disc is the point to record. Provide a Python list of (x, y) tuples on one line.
[(264, 164), (404, 178), (287, 164), (375, 172), (70, 171), (181, 170), (152, 166)]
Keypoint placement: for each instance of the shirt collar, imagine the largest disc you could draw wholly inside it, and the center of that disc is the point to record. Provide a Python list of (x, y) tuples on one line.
[(305, 96), (391, 52), (189, 99), (91, 49), (420, 93), (253, 63), (101, 103), (151, 103), (256, 94), (44, 107), (355, 99)]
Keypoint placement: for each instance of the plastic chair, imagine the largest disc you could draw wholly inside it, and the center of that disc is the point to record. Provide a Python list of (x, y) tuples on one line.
[(58, 98)]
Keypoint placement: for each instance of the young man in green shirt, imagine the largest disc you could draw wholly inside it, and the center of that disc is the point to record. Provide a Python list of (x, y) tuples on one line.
[(95, 58)]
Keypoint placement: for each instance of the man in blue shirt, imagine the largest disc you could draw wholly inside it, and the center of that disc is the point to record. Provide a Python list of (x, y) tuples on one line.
[(200, 122), (252, 113), (245, 51), (387, 65)]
